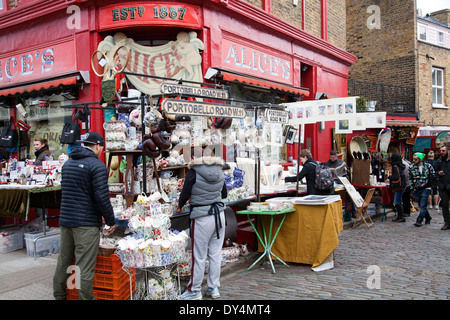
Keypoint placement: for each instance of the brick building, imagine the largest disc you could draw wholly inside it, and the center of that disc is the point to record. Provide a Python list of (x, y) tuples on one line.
[(392, 67), (433, 51)]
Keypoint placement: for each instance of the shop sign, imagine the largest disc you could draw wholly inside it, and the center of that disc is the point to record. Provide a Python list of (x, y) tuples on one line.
[(108, 90), (248, 59), (277, 116), (178, 89), (197, 108), (155, 14), (178, 59), (413, 136), (41, 63)]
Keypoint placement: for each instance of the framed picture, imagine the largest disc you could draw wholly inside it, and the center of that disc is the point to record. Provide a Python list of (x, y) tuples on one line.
[(343, 126), (292, 132)]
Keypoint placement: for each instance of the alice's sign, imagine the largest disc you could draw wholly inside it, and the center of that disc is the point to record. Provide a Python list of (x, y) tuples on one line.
[(258, 62), (197, 108), (41, 63), (178, 59), (178, 89)]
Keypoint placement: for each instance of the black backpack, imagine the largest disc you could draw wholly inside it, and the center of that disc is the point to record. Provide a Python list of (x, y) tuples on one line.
[(323, 177), (71, 132), (9, 136)]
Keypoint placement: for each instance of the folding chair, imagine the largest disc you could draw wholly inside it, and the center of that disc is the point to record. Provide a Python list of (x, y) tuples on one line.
[(362, 211)]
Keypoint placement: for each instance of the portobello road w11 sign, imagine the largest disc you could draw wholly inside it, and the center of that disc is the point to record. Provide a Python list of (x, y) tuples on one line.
[(209, 93), (197, 108), (277, 116)]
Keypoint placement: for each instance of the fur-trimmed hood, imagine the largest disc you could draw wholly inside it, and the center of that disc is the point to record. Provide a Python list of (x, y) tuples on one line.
[(206, 161)]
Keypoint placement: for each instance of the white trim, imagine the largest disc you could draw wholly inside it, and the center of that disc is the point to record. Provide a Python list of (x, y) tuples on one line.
[(439, 106)]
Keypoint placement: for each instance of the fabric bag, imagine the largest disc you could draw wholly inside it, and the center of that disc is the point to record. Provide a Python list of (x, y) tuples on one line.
[(71, 132), (323, 177), (9, 136), (397, 185)]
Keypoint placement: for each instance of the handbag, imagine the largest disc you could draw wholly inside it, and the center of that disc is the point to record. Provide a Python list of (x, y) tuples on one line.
[(71, 132), (396, 185), (9, 136)]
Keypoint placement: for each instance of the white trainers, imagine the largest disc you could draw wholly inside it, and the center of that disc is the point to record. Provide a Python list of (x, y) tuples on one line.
[(190, 295), (436, 207), (430, 206), (213, 293)]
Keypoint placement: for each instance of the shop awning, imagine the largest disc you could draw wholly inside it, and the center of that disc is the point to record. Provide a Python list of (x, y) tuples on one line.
[(404, 123), (228, 76), (45, 85)]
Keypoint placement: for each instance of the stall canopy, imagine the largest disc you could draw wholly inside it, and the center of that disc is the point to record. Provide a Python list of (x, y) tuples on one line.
[(45, 85)]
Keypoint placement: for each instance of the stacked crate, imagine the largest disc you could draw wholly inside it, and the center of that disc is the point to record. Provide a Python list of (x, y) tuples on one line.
[(111, 282)]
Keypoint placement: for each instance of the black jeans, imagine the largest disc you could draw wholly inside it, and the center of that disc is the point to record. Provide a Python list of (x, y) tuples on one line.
[(445, 195)]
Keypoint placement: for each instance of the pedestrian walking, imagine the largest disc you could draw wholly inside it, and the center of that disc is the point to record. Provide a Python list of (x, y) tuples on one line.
[(84, 201), (443, 170), (205, 188), (419, 174), (397, 169), (434, 182)]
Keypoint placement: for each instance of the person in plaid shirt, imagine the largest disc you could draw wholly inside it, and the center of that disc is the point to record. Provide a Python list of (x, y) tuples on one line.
[(419, 175)]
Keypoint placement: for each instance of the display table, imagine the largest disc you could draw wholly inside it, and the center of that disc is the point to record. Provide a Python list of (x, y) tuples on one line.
[(387, 196), (16, 200), (310, 234), (268, 241)]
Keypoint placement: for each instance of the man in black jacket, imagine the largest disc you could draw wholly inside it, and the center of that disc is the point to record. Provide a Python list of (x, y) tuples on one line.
[(84, 201), (443, 171), (308, 171)]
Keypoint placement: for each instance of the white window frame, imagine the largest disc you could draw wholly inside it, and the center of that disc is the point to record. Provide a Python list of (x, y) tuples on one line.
[(435, 72), (420, 33), (441, 41)]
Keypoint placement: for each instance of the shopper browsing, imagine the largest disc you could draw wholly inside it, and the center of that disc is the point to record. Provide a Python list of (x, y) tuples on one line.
[(397, 169), (309, 172), (84, 201), (205, 187)]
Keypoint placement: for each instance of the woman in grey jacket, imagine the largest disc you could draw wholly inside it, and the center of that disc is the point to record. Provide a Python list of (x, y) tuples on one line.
[(204, 186)]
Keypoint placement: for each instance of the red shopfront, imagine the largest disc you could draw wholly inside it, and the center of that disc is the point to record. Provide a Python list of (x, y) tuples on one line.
[(248, 47), (245, 47)]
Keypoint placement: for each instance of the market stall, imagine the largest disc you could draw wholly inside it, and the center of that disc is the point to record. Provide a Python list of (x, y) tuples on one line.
[(310, 234)]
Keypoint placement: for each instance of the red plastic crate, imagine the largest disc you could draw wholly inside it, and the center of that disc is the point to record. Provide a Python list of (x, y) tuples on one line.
[(112, 281), (123, 293), (108, 264)]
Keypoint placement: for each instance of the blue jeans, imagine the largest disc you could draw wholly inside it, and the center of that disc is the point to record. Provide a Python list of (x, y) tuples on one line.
[(422, 199), (398, 197)]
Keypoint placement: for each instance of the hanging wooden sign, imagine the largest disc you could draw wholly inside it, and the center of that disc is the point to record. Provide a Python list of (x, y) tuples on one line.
[(179, 89), (108, 90), (197, 108), (277, 116)]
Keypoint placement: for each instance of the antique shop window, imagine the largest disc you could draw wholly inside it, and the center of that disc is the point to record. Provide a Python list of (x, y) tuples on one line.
[(46, 119)]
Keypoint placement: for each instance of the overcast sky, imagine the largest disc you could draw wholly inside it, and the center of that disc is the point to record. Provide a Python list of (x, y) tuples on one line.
[(428, 6)]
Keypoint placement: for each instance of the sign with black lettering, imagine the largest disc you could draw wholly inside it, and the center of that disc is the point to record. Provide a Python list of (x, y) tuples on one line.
[(197, 108), (209, 93), (277, 116)]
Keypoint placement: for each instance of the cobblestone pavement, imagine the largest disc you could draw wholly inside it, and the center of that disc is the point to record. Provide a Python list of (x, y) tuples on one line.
[(414, 263), (411, 262)]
